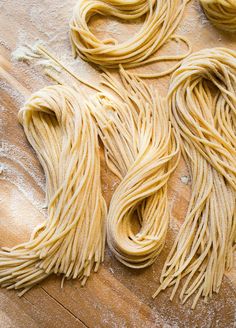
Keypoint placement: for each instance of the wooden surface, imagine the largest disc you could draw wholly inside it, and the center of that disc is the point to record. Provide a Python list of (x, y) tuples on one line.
[(115, 296)]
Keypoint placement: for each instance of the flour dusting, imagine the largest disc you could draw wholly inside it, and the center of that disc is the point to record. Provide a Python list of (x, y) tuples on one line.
[(185, 179), (47, 23), (12, 175), (22, 158)]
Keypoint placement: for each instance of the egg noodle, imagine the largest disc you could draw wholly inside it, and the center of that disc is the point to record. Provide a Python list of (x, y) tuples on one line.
[(202, 99), (222, 13), (143, 136), (71, 241), (141, 150), (162, 17)]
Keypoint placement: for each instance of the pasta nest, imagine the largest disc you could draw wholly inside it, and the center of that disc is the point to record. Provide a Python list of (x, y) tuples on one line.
[(222, 13)]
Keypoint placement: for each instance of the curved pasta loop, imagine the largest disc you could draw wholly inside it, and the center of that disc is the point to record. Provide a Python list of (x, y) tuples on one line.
[(161, 20), (222, 13), (142, 151), (71, 241), (202, 97)]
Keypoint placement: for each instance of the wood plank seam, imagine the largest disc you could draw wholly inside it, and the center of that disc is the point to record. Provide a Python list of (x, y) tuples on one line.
[(60, 304)]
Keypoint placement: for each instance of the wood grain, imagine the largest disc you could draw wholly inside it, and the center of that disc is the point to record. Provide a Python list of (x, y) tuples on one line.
[(116, 296)]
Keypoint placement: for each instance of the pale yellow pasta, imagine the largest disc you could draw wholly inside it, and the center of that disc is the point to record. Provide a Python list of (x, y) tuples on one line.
[(141, 150), (202, 98), (71, 241), (222, 13), (161, 20)]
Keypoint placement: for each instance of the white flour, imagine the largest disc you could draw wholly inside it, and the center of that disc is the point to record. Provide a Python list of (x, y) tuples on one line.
[(49, 23), (185, 179)]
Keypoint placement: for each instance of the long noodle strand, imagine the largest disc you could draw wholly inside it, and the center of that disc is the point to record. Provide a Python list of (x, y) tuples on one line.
[(161, 20), (142, 151), (71, 241), (202, 97), (222, 13)]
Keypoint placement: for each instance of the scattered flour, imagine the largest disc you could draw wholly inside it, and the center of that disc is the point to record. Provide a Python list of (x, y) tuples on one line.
[(24, 53), (13, 93), (53, 26), (22, 158), (185, 179), (12, 175)]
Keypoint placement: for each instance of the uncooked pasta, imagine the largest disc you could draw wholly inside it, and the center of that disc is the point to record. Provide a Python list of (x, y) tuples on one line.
[(71, 241), (222, 13), (142, 151), (202, 98), (161, 20)]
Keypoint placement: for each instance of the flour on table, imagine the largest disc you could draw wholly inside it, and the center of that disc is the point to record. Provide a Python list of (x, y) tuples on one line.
[(12, 175), (10, 156), (185, 179)]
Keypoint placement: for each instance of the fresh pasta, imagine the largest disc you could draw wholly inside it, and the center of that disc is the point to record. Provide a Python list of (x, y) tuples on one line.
[(71, 241), (222, 13), (202, 98), (161, 20), (142, 151)]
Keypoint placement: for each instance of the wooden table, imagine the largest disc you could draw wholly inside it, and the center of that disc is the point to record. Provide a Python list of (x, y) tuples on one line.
[(115, 296)]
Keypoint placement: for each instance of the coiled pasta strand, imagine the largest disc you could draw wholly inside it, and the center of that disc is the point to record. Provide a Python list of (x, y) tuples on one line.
[(141, 150), (202, 98), (222, 13), (71, 241), (161, 20)]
